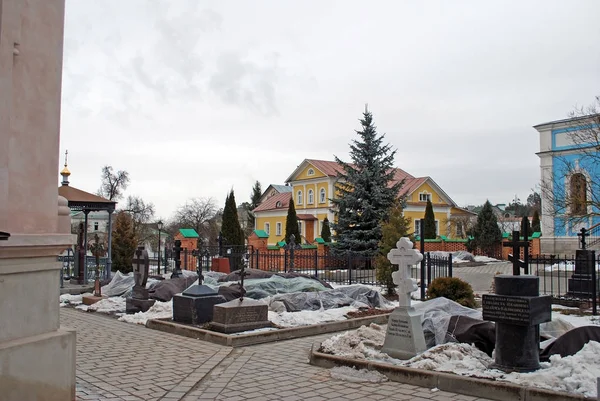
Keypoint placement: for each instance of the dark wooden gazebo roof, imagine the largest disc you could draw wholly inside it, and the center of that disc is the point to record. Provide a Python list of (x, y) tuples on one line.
[(84, 201)]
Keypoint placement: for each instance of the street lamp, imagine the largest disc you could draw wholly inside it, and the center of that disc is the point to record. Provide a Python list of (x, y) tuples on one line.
[(159, 224)]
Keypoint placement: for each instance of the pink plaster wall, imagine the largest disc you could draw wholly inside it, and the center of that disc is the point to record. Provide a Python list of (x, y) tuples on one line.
[(30, 96)]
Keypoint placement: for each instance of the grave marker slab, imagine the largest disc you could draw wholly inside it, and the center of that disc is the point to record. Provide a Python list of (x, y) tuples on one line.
[(138, 301), (404, 337), (240, 315)]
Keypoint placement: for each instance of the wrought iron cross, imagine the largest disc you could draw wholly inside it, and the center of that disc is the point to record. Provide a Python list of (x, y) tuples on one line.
[(582, 234), (177, 251), (242, 275), (97, 249), (198, 255), (516, 246)]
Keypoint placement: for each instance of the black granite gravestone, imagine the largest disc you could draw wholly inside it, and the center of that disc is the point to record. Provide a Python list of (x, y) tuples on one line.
[(138, 301), (581, 283), (196, 304), (517, 310)]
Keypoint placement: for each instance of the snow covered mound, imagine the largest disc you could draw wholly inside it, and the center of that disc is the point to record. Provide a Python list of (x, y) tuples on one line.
[(160, 310), (362, 343), (461, 359), (573, 374)]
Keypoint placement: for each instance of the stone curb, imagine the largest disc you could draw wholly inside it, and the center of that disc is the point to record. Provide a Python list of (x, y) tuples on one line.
[(261, 337), (500, 391)]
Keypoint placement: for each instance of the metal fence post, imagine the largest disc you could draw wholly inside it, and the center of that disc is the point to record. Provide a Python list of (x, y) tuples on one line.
[(316, 263), (422, 243), (428, 269), (349, 268), (450, 265), (594, 285)]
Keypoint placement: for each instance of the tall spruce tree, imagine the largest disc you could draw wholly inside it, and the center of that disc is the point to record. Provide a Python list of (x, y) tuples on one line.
[(325, 230), (429, 231), (291, 224), (486, 232), (525, 222), (364, 192), (254, 200), (124, 243), (535, 222), (393, 229), (230, 226)]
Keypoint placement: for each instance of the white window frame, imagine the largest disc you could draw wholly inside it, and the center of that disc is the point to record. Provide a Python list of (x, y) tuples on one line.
[(299, 197), (300, 227), (268, 228), (310, 197), (278, 228), (322, 196), (424, 196), (310, 172)]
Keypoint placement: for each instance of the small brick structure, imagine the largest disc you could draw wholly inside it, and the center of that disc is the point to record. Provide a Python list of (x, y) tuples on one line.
[(189, 240)]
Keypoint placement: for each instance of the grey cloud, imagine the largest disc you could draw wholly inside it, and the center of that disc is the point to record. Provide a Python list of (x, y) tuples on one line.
[(245, 83)]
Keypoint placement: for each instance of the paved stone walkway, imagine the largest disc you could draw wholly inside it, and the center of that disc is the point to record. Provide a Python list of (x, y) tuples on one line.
[(481, 277), (121, 361)]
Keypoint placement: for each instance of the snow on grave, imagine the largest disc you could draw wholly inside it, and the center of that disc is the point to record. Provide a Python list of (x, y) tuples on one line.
[(573, 374)]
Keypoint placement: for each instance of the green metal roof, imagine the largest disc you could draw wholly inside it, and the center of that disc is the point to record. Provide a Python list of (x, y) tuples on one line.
[(261, 233), (319, 240), (188, 233), (281, 243), (272, 247)]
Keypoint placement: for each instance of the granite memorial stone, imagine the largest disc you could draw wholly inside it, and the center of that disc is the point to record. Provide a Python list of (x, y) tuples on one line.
[(138, 301), (404, 337), (195, 304), (518, 309), (240, 314)]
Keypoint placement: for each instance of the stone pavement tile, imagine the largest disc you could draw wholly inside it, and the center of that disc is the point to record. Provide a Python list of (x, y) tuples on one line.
[(163, 366)]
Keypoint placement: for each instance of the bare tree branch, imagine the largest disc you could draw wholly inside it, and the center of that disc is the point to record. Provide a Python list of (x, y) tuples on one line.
[(113, 184)]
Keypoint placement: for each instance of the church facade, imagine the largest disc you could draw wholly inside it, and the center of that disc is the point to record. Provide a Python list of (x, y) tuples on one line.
[(569, 166)]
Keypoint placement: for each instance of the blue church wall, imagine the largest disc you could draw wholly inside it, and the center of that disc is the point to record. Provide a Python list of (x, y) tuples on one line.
[(561, 165)]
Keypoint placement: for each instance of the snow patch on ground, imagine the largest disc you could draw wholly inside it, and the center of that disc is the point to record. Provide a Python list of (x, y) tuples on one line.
[(69, 299), (308, 317), (160, 310), (349, 374), (106, 305), (485, 259)]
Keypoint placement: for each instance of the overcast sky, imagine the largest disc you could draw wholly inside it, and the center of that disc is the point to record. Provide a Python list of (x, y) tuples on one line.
[(195, 97)]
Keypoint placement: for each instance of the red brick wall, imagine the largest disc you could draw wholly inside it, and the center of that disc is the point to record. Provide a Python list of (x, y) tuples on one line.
[(441, 245), (190, 244)]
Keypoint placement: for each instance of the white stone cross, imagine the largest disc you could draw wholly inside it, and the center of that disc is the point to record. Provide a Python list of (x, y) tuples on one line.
[(404, 256)]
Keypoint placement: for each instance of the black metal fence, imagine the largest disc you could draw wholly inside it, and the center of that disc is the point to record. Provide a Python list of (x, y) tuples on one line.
[(336, 269), (570, 282)]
